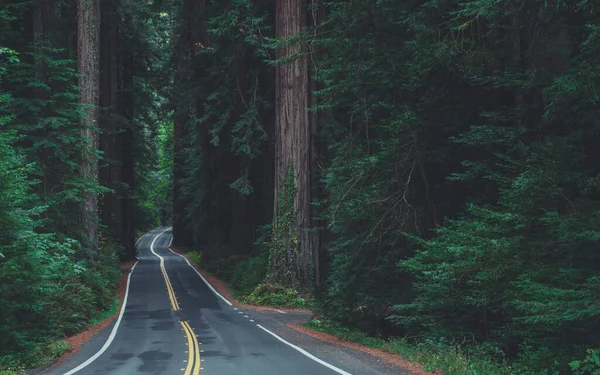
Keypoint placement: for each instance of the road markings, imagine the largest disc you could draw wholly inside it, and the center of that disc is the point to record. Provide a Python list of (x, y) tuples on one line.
[(297, 348), (329, 366), (203, 279), (193, 361), (190, 359), (113, 333), (197, 352), (138, 240), (170, 290)]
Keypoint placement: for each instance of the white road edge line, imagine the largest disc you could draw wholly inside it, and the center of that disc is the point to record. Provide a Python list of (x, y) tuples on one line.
[(203, 279), (138, 240), (162, 260), (279, 311), (329, 366), (113, 333)]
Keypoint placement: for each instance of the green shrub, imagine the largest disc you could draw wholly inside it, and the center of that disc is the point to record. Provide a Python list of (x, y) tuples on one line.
[(247, 274), (442, 356), (196, 257), (589, 366), (277, 296)]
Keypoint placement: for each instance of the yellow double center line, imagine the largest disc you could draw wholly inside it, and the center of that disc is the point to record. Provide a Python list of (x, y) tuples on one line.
[(194, 353), (193, 361), (170, 290)]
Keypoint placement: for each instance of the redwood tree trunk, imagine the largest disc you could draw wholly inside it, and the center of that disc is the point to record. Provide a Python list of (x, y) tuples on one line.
[(126, 106), (290, 265), (88, 39), (110, 140)]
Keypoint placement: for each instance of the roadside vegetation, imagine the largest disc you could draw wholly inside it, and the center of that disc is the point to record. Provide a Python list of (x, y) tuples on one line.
[(75, 172), (463, 358), (245, 279)]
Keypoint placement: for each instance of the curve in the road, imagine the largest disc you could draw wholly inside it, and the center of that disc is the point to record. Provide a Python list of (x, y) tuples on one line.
[(167, 333)]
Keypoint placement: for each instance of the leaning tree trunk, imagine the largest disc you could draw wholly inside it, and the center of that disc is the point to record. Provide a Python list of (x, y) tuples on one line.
[(88, 40), (291, 254)]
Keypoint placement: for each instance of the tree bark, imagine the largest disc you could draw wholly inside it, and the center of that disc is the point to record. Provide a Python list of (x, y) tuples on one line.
[(110, 172), (88, 27), (126, 106), (290, 266)]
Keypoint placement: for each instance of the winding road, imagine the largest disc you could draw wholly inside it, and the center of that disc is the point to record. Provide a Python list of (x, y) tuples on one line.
[(174, 322)]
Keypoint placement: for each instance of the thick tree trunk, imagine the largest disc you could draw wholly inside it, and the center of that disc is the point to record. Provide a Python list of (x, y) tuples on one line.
[(88, 27), (110, 139), (290, 264), (126, 103)]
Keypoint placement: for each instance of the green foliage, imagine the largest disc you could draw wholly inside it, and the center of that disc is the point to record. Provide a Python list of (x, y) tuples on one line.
[(475, 119), (282, 246), (227, 110), (155, 187), (277, 296), (196, 257), (376, 183), (242, 274), (147, 32), (49, 288), (44, 293), (439, 356), (247, 274), (589, 366), (45, 112)]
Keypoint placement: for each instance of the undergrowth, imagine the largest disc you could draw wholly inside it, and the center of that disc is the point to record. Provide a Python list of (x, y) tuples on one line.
[(245, 278), (103, 315), (277, 296), (453, 358), (76, 296), (196, 257)]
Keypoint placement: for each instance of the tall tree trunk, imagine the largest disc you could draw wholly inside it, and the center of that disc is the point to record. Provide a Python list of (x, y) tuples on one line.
[(88, 27), (126, 106), (290, 264), (110, 139)]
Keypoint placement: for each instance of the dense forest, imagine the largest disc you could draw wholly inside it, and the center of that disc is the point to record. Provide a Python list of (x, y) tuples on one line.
[(424, 169)]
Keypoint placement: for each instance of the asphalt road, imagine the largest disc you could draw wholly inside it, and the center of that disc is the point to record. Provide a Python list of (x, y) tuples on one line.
[(175, 323)]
